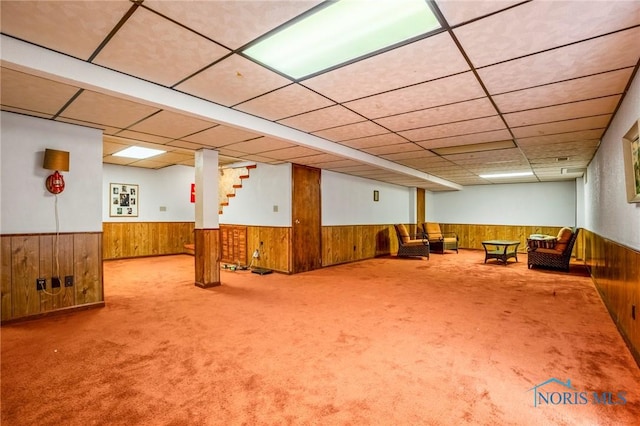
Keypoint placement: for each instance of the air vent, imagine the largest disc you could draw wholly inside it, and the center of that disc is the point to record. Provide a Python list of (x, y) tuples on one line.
[(559, 159)]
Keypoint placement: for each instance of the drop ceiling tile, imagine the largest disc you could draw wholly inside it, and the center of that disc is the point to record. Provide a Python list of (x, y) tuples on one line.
[(615, 51), (75, 28), (312, 160), (377, 140), (145, 137), (458, 11), (220, 136), (580, 109), (471, 139), (423, 60), (109, 147), (581, 135), (149, 164), (443, 91), (171, 124), (30, 93), (352, 131), (590, 123), (186, 145), (455, 129), (285, 102), (351, 169), (26, 112), (483, 159), (594, 86), (158, 50), (174, 157), (392, 149), (121, 161), (260, 145), (330, 165), (232, 80), (461, 111), (321, 119), (105, 129), (106, 110), (232, 23), (416, 154), (291, 153), (536, 26)]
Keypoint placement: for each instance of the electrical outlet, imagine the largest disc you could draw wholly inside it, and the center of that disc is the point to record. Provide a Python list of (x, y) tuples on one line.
[(68, 281), (55, 282), (633, 311), (41, 284)]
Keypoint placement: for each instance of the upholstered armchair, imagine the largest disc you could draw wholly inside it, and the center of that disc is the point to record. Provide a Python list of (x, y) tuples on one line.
[(438, 240), (411, 245), (554, 256)]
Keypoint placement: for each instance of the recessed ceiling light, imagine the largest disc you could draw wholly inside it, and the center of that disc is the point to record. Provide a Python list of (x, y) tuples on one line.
[(506, 175), (138, 152), (340, 32)]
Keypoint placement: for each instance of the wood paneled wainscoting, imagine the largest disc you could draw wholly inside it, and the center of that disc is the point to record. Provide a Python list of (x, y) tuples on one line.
[(350, 243), (615, 270), (25, 258), (135, 239), (273, 245)]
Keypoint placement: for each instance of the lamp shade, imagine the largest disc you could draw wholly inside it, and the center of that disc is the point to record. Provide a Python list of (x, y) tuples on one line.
[(56, 160)]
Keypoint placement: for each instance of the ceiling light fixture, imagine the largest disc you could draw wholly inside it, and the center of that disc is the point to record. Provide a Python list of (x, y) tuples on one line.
[(138, 152), (341, 32), (506, 175)]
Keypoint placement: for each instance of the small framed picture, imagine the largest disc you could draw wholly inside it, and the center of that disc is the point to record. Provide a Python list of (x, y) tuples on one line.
[(123, 200)]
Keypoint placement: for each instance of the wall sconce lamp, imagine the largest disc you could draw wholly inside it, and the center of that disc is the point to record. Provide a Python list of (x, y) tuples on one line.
[(58, 161)]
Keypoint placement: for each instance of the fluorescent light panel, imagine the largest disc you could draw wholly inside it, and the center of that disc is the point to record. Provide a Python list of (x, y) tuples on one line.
[(138, 152), (343, 31), (506, 175)]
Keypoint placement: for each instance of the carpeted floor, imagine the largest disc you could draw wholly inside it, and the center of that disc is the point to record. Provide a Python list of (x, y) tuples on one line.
[(387, 341)]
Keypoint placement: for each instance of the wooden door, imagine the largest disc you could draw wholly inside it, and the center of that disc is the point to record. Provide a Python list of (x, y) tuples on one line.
[(306, 242)]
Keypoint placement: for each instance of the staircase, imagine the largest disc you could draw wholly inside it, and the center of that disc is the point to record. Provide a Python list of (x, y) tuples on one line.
[(229, 182)]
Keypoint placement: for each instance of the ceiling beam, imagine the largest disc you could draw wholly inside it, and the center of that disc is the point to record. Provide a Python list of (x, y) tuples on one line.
[(25, 57)]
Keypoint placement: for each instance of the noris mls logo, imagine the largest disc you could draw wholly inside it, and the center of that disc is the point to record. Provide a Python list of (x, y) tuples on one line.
[(546, 393)]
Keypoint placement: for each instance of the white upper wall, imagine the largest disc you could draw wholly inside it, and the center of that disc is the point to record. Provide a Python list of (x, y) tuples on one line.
[(348, 200), (26, 205), (607, 212), (169, 187), (537, 204), (263, 200)]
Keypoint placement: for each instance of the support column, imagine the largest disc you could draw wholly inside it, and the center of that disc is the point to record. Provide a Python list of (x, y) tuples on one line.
[(207, 226)]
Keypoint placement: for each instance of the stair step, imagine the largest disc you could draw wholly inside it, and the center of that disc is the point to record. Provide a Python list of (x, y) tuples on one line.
[(231, 195), (237, 186), (224, 204), (253, 166)]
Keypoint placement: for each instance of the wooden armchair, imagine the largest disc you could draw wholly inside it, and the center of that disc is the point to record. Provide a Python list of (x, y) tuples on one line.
[(408, 245), (440, 241), (557, 257)]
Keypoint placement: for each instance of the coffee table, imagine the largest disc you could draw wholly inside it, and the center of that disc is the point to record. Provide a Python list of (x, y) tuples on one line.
[(501, 250)]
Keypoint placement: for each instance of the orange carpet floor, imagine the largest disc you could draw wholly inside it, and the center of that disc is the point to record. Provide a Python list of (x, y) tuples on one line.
[(386, 341)]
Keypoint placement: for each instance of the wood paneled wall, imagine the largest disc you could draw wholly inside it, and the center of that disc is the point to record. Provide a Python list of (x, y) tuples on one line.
[(134, 239), (471, 236), (615, 270), (273, 245), (28, 257), (342, 244)]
